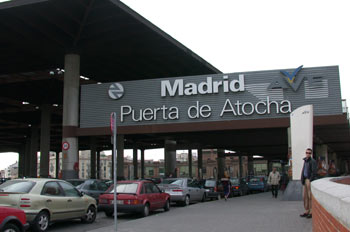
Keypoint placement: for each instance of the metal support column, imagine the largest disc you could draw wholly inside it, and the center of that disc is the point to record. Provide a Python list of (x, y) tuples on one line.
[(120, 157), (190, 163), (142, 163), (170, 158), (98, 164), (200, 163), (135, 164), (70, 155), (34, 145), (93, 157), (45, 140)]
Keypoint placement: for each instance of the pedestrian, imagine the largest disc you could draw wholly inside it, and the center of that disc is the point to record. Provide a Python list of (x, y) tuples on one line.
[(273, 180), (308, 174), (226, 183)]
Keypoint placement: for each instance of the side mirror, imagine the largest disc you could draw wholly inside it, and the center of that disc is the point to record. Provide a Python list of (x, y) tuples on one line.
[(82, 193), (162, 191)]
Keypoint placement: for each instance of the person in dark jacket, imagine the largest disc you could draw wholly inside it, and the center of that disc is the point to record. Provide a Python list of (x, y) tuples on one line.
[(308, 174)]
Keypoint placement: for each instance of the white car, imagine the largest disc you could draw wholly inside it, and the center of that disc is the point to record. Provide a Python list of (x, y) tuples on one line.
[(47, 200)]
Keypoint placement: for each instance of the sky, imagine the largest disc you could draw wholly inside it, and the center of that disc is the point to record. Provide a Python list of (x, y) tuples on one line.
[(254, 35)]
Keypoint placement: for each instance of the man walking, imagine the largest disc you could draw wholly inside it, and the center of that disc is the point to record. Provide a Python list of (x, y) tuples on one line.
[(274, 180), (308, 174)]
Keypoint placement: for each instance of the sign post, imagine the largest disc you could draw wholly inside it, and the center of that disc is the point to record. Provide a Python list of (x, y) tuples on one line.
[(114, 140)]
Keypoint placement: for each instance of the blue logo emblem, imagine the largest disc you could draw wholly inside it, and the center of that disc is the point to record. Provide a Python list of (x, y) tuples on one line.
[(291, 78)]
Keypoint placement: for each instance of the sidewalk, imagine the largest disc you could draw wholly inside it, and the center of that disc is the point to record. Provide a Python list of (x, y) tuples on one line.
[(252, 213)]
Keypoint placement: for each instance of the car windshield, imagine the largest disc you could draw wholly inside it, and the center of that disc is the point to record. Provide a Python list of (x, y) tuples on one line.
[(255, 180), (76, 182), (126, 188), (173, 181), (210, 183), (234, 181), (21, 186)]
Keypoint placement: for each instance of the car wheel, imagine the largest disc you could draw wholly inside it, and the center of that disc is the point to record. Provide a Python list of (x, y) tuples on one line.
[(167, 206), (187, 201), (41, 222), (109, 213), (9, 227), (90, 215), (145, 211), (218, 197)]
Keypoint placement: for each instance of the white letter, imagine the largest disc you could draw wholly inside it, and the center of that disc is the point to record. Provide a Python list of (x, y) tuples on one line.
[(240, 83), (252, 108), (190, 89), (257, 107), (196, 110), (228, 110), (225, 84), (288, 106), (178, 84), (148, 112), (208, 85), (205, 111), (175, 114), (122, 113)]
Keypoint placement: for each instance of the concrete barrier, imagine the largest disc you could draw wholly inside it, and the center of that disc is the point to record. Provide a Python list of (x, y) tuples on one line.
[(331, 204)]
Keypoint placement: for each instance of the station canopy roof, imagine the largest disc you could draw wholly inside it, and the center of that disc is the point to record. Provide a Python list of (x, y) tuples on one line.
[(115, 44)]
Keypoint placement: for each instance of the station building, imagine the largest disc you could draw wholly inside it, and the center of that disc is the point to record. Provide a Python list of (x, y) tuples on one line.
[(66, 65)]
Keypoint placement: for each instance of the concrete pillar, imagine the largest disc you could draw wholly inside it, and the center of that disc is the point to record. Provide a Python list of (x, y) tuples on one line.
[(221, 163), (200, 163), (58, 164), (70, 156), (135, 164), (45, 140), (142, 163), (240, 166), (98, 163), (93, 157), (34, 145), (190, 163), (170, 157), (250, 165), (21, 161), (120, 157)]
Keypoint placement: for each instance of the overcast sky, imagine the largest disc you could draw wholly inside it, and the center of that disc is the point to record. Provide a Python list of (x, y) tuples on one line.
[(252, 35)]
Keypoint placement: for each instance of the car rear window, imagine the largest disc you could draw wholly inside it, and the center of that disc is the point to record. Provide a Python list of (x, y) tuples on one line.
[(126, 188), (21, 186), (173, 181), (234, 181), (210, 183), (255, 180)]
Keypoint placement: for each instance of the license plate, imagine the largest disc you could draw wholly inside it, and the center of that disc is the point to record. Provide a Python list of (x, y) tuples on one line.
[(119, 202)]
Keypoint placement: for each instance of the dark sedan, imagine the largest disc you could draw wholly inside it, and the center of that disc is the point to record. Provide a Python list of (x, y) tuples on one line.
[(239, 187), (138, 196), (213, 189), (92, 187)]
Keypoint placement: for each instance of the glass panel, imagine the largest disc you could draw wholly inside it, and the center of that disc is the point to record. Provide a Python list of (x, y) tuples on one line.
[(69, 190), (21, 186), (52, 189)]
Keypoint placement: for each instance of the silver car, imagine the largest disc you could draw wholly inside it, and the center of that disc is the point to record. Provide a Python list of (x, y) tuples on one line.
[(183, 190)]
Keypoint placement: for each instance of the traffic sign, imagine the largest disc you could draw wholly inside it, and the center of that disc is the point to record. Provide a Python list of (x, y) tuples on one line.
[(65, 146)]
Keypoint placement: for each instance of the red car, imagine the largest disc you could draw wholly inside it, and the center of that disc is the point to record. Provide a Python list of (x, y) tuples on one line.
[(12, 219), (139, 196)]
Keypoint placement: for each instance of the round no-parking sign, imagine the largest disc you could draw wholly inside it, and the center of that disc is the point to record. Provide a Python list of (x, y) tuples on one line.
[(65, 146)]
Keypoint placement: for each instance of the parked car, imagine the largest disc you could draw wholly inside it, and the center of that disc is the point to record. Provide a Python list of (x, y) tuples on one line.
[(75, 182), (257, 183), (183, 190), (47, 200), (12, 220), (213, 189), (239, 187), (92, 187), (137, 196)]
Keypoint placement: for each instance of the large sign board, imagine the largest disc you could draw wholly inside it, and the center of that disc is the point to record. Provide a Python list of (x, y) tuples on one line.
[(210, 98)]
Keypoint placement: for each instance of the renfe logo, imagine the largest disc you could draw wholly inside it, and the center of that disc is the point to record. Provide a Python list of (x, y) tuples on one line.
[(206, 87)]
